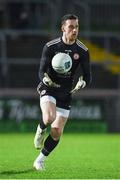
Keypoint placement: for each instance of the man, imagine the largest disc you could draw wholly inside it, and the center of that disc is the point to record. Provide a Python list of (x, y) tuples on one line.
[(56, 89)]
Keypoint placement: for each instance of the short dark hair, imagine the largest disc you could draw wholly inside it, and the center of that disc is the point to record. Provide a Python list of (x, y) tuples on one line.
[(66, 17)]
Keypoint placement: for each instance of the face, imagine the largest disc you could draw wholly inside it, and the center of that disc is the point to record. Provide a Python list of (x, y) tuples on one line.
[(70, 30)]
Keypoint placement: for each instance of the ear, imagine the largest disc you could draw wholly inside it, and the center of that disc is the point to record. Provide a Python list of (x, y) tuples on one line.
[(62, 28)]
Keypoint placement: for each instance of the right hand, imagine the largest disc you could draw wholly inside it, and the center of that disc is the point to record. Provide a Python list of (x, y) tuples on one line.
[(48, 82)]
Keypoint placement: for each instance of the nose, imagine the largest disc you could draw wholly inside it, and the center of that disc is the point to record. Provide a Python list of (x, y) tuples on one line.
[(75, 29)]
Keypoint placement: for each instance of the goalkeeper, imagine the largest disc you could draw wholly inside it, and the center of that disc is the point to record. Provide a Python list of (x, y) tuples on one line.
[(56, 89)]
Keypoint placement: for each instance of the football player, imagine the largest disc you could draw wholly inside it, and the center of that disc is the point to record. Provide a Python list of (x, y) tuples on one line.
[(56, 89)]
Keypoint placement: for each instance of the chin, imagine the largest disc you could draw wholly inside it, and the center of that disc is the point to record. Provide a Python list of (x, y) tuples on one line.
[(73, 39)]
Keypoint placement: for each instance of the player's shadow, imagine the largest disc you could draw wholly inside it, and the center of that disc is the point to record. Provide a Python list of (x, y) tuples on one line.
[(10, 172)]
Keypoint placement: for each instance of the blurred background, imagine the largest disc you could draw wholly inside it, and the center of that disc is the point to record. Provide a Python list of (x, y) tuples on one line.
[(25, 26)]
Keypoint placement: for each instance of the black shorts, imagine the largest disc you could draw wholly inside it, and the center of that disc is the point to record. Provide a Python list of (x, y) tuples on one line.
[(63, 98)]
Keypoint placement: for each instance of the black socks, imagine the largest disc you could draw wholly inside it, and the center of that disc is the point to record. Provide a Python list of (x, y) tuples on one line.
[(49, 145), (42, 125)]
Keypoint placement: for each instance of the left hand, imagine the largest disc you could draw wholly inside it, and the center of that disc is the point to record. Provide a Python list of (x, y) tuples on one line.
[(80, 84)]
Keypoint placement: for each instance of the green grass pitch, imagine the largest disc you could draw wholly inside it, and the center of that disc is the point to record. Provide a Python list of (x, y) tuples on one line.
[(78, 156)]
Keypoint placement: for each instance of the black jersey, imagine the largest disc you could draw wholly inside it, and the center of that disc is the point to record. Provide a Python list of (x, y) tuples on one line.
[(80, 62)]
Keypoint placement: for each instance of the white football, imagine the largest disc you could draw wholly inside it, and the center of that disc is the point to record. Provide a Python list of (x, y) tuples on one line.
[(61, 63)]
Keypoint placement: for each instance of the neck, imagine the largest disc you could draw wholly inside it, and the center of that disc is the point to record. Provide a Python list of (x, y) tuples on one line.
[(67, 41)]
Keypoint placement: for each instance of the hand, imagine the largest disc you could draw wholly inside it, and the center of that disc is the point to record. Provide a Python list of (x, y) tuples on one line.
[(80, 84), (48, 82)]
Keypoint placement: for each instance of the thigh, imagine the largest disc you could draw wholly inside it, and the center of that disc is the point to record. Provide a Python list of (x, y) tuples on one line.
[(61, 118), (48, 109)]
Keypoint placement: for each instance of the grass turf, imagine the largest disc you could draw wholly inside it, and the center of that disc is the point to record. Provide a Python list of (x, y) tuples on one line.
[(78, 156)]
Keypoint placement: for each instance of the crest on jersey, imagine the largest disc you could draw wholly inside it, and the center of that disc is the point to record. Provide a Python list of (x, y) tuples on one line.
[(43, 92), (76, 56)]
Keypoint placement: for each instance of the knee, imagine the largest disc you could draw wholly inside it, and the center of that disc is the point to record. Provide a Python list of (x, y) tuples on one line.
[(56, 133), (49, 118)]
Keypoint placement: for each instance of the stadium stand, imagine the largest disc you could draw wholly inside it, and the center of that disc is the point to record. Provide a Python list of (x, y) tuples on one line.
[(108, 59), (25, 26)]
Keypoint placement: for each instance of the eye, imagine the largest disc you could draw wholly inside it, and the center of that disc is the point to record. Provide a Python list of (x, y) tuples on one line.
[(71, 27)]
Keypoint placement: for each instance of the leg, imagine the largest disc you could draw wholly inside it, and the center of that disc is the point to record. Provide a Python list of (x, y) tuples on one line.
[(48, 112), (57, 127), (56, 131), (48, 107), (52, 140)]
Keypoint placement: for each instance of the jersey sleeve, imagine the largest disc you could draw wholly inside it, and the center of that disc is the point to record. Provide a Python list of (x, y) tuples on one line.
[(44, 62), (86, 67)]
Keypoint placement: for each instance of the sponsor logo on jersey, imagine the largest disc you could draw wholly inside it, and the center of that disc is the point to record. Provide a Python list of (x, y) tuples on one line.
[(68, 51), (56, 52), (76, 56)]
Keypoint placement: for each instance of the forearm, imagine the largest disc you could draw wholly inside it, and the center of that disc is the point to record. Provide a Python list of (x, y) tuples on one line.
[(44, 61), (86, 69), (41, 74), (87, 77)]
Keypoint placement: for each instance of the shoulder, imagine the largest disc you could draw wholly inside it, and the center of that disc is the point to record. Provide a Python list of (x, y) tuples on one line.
[(53, 42), (81, 45)]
